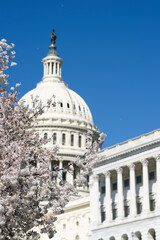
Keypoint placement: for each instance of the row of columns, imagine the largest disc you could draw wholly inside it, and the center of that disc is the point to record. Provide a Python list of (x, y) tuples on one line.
[(52, 68), (133, 204)]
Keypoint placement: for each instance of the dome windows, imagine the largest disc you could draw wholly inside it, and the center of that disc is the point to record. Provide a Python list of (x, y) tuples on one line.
[(80, 141), (54, 138), (67, 105), (72, 140), (63, 138)]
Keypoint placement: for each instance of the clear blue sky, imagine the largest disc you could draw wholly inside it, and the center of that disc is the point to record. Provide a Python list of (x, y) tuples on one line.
[(111, 53)]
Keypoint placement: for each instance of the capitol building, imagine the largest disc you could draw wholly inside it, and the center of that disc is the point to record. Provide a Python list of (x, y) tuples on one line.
[(122, 198)]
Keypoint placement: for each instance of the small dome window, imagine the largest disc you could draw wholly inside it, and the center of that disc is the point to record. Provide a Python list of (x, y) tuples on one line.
[(84, 110), (79, 108), (74, 106), (63, 139), (45, 136), (61, 104), (67, 105), (80, 141), (77, 223), (72, 140), (54, 138)]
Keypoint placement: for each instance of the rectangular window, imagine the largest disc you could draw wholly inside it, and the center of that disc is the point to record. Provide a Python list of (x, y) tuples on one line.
[(63, 139), (126, 211), (126, 183), (152, 205), (103, 189), (151, 175), (139, 179), (79, 141), (54, 138), (72, 140), (103, 216), (139, 208), (114, 212), (114, 186)]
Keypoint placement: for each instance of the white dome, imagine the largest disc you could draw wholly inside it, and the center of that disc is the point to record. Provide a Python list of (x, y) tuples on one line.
[(69, 105), (67, 121)]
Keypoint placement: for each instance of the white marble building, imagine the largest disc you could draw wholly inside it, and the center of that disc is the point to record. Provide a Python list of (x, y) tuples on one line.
[(124, 200), (125, 191)]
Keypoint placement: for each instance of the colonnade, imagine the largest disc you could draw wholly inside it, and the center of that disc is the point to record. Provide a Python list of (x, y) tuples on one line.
[(52, 68), (95, 203)]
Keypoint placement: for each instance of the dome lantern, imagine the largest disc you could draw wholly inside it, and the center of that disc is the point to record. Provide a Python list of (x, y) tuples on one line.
[(52, 62)]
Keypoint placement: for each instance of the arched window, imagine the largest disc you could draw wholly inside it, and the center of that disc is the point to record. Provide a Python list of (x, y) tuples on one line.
[(54, 138), (63, 139), (138, 235), (80, 141), (151, 234), (112, 238), (45, 136), (124, 237), (77, 237), (72, 140)]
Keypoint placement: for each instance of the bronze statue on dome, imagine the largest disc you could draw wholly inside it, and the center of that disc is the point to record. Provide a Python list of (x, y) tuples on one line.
[(53, 36)]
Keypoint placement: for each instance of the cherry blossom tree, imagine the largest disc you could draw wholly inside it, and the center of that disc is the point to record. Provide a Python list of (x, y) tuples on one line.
[(25, 177)]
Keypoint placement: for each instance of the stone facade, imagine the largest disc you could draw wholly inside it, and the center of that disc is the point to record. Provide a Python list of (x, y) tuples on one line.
[(124, 191)]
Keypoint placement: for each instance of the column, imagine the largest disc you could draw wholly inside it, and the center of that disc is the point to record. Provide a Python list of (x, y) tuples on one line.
[(60, 164), (158, 183), (120, 193), (96, 202), (58, 69), (68, 139), (132, 181), (108, 199), (145, 207)]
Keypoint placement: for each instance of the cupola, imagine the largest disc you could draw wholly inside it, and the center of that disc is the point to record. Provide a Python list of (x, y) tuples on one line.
[(52, 62)]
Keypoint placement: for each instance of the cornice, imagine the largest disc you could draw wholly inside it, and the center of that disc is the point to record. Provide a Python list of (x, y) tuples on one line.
[(117, 152)]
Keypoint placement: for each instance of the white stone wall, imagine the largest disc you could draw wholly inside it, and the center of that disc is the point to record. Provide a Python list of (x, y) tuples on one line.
[(120, 183)]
